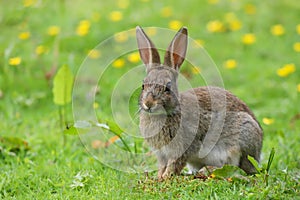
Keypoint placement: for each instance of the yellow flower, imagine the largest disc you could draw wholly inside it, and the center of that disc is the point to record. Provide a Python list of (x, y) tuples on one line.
[(83, 28), (121, 37), (248, 39), (151, 31), (53, 30), (175, 24), (123, 4), (230, 64), (212, 1), (232, 20), (15, 61), (230, 16), (95, 105), (298, 29), (28, 3), (119, 63), (215, 26), (297, 46), (298, 87), (250, 9), (286, 70), (40, 50), (212, 176), (235, 25), (94, 54), (196, 70), (268, 121), (277, 30), (198, 43), (134, 57), (166, 11), (24, 35), (115, 16)]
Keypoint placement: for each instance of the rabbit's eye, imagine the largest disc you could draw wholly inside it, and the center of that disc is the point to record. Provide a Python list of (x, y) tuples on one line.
[(143, 87), (168, 87)]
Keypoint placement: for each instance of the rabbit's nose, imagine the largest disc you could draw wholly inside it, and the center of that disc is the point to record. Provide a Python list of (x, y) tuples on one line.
[(148, 104)]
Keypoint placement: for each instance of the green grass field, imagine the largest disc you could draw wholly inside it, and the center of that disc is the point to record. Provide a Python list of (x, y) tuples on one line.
[(254, 44)]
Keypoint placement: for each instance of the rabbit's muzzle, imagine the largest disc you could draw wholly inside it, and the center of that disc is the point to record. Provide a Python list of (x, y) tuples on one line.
[(149, 104)]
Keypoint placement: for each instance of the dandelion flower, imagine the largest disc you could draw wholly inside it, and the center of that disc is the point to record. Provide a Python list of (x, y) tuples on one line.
[(230, 64), (297, 46), (175, 24), (123, 4), (215, 26), (28, 3), (268, 121), (248, 39), (230, 16), (119, 63), (95, 105), (121, 37), (115, 16), (250, 9), (94, 54), (39, 50), (166, 11), (196, 70), (83, 28), (298, 87), (134, 57), (53, 30), (151, 31), (213, 1), (298, 29), (15, 61), (212, 176), (198, 43), (24, 35), (277, 30), (235, 25), (286, 70)]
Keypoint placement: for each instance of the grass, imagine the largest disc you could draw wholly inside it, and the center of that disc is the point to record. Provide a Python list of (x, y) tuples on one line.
[(42, 165)]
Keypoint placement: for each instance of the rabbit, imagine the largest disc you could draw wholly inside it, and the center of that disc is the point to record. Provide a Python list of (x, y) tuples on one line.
[(204, 126)]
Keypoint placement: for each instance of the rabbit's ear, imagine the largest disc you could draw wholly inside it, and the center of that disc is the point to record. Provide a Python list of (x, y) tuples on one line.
[(175, 54), (148, 52)]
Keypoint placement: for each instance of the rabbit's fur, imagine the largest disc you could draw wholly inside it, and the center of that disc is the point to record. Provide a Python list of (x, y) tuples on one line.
[(204, 126)]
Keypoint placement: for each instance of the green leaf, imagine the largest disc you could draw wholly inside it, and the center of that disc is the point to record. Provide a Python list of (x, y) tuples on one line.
[(62, 86), (78, 127), (272, 153), (71, 131), (228, 171), (113, 127), (254, 163)]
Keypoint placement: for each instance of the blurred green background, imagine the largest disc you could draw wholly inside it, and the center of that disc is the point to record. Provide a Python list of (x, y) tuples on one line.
[(255, 45)]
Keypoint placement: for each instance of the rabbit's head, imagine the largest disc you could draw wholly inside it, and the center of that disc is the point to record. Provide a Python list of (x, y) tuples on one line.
[(159, 90)]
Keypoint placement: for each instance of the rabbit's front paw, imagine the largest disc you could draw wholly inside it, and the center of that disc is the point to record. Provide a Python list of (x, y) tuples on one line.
[(167, 174), (160, 172), (174, 168)]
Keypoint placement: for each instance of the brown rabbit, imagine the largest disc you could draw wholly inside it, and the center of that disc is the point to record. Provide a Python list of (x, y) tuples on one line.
[(204, 126)]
